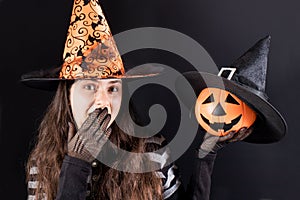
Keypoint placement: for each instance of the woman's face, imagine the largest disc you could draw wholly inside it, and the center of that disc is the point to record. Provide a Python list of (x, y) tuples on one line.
[(87, 95)]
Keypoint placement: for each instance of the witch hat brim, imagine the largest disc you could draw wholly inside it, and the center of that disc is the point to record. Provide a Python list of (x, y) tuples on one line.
[(269, 127), (48, 79)]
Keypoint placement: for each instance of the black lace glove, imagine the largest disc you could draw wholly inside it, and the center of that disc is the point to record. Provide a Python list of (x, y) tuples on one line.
[(87, 143), (212, 143)]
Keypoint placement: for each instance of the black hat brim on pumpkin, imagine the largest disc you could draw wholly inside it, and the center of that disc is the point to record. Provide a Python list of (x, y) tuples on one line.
[(269, 126), (48, 79)]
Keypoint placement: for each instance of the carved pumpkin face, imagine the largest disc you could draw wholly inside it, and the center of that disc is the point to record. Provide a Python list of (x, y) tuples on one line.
[(220, 112)]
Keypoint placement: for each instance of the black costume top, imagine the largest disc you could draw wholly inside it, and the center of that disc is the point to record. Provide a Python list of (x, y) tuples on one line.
[(77, 178)]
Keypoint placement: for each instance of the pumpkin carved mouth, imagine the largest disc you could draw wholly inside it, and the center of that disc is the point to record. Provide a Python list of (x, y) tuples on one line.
[(221, 126)]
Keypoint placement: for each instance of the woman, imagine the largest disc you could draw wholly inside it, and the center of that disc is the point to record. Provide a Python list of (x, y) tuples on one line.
[(79, 122), (101, 100)]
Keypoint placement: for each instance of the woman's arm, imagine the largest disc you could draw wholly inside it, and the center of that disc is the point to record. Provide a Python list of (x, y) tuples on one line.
[(200, 181), (74, 179), (84, 146)]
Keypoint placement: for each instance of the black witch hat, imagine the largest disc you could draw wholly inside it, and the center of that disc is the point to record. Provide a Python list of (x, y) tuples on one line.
[(247, 80)]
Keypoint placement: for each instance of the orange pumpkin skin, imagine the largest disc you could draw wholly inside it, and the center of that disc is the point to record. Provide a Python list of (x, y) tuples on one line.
[(220, 112)]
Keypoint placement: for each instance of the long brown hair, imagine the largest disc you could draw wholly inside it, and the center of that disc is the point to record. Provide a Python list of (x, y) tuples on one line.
[(51, 147)]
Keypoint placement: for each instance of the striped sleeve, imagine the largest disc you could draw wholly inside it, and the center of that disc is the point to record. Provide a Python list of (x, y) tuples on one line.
[(168, 172), (33, 184)]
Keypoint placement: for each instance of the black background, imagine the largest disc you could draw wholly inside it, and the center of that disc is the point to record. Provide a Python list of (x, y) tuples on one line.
[(32, 36)]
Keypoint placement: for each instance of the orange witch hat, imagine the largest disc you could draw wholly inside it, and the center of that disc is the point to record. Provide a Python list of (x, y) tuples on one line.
[(90, 51)]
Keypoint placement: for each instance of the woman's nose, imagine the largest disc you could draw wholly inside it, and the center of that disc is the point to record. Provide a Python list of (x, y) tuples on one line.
[(102, 100)]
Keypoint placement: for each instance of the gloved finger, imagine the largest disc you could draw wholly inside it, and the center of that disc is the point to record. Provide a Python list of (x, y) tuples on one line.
[(90, 119), (102, 117), (98, 123), (105, 122), (107, 133), (227, 137), (240, 133), (247, 133), (103, 136), (71, 131), (96, 147), (79, 146), (99, 133)]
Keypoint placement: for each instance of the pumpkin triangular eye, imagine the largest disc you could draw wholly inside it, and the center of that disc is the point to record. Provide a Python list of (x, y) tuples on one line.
[(231, 100), (209, 99)]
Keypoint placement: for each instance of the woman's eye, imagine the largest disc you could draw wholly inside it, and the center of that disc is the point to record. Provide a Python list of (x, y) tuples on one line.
[(90, 87), (113, 89)]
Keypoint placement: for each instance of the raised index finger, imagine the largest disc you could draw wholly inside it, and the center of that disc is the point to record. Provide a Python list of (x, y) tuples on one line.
[(100, 118)]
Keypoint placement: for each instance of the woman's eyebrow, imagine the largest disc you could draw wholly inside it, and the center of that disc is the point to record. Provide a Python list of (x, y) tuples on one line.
[(115, 81)]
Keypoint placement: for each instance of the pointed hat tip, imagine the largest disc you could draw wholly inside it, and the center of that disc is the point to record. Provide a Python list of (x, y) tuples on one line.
[(261, 46), (268, 37), (266, 40)]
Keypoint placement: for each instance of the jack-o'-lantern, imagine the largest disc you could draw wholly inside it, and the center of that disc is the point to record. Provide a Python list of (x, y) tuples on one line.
[(220, 112)]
